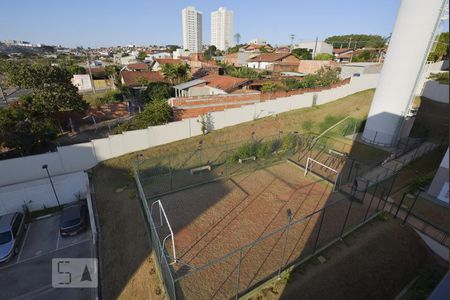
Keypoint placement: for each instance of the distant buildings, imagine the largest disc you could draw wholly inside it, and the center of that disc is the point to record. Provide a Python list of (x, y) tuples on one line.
[(222, 28), (192, 29)]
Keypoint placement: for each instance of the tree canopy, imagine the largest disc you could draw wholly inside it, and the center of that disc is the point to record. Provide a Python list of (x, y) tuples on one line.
[(356, 41), (323, 56), (441, 48), (302, 53), (175, 73)]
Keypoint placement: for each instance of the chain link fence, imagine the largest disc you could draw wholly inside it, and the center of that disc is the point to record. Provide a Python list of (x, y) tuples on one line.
[(240, 270)]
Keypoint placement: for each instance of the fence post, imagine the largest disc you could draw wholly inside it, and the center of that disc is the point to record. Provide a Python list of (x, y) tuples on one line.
[(346, 216), (390, 190), (289, 217), (320, 228), (370, 204), (171, 172), (381, 198), (238, 274), (411, 208), (351, 168), (400, 205)]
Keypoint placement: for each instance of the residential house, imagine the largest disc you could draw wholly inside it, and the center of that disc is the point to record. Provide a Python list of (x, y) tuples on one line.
[(82, 82), (164, 61), (349, 69), (312, 66), (342, 54), (257, 48), (134, 79), (238, 59), (137, 67), (274, 62), (210, 85)]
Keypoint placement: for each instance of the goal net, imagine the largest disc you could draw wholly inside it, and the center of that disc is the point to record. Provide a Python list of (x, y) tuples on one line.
[(323, 171)]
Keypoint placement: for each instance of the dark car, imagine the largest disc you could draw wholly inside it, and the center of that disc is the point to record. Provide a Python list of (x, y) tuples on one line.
[(74, 219), (12, 227)]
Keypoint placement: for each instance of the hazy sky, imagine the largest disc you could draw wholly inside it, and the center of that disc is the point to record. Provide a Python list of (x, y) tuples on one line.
[(143, 22)]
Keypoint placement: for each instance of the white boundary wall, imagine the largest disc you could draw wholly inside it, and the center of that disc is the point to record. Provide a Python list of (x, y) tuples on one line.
[(38, 194), (19, 172)]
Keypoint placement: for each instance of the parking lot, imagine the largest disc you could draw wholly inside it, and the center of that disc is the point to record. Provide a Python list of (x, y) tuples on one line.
[(29, 274)]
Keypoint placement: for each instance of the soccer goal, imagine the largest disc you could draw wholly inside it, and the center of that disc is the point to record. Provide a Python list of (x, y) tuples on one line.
[(314, 166), (162, 213)]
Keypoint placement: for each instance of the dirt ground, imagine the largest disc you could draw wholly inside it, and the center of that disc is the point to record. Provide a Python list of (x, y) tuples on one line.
[(214, 219), (375, 262), (127, 272)]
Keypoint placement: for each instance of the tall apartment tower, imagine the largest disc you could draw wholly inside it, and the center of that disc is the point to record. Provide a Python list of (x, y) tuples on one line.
[(192, 29), (222, 28)]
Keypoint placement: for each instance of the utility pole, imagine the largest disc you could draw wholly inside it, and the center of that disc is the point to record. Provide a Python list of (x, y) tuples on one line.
[(292, 37), (349, 43), (90, 73), (315, 48)]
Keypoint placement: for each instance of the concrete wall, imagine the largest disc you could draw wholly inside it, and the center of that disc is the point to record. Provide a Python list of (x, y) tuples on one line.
[(24, 179), (38, 194), (439, 186), (436, 91)]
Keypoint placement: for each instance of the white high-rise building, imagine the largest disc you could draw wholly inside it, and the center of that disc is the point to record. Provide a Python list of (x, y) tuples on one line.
[(222, 28), (192, 29)]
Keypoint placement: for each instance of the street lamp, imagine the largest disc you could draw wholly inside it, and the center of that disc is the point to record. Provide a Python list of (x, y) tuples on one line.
[(51, 182)]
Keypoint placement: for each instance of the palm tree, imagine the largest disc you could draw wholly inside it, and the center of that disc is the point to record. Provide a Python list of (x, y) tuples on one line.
[(175, 73)]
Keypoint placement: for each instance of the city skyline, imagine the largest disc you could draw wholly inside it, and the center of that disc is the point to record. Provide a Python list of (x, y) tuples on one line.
[(192, 25), (144, 23)]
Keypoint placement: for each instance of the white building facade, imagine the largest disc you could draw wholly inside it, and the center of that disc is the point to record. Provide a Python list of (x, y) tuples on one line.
[(320, 47), (192, 29), (222, 28)]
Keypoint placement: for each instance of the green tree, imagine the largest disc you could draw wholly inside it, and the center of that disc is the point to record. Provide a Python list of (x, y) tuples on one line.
[(157, 112), (113, 72), (141, 56), (52, 88), (270, 86), (323, 56), (25, 131), (302, 53), (356, 41), (156, 91), (175, 73), (75, 69), (441, 48), (210, 52)]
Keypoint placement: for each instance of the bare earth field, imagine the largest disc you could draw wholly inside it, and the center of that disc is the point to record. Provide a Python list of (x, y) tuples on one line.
[(216, 218)]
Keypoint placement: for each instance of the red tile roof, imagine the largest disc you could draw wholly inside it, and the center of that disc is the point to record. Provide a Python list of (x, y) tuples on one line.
[(341, 50), (269, 57), (224, 83), (138, 67), (163, 61), (131, 78)]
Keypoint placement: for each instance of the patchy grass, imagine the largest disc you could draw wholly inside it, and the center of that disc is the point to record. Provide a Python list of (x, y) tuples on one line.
[(375, 262), (126, 255)]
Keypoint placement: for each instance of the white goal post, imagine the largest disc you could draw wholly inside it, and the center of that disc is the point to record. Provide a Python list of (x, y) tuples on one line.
[(309, 163), (162, 213)]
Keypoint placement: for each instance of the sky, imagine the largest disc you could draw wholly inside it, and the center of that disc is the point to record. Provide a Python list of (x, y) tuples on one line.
[(95, 23)]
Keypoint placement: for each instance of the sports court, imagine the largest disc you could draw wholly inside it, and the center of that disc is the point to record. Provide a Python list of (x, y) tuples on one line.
[(216, 218)]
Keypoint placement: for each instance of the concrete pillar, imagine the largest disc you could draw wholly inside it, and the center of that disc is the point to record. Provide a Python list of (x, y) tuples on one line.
[(408, 49)]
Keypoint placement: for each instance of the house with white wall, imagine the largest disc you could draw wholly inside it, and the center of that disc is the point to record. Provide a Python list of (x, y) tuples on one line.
[(316, 47), (266, 61), (82, 82)]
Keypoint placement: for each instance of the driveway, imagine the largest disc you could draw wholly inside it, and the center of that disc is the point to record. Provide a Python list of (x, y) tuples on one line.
[(29, 274)]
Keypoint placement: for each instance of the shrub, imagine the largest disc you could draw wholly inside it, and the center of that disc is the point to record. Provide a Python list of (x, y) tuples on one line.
[(308, 125), (328, 122), (271, 86), (264, 149), (289, 142)]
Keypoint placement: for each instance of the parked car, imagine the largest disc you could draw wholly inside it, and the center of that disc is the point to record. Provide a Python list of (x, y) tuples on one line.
[(12, 227), (74, 219)]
